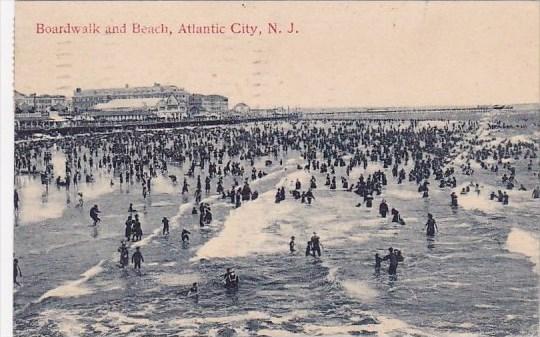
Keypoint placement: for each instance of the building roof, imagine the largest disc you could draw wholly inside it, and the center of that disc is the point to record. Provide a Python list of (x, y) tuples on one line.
[(216, 97), (128, 103), (109, 113), (156, 88), (241, 107), (17, 94)]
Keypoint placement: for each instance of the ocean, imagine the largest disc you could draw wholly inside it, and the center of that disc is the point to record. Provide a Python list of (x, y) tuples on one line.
[(477, 277)]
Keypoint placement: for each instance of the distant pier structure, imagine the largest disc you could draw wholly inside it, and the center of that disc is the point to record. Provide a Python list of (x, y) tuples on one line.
[(405, 112)]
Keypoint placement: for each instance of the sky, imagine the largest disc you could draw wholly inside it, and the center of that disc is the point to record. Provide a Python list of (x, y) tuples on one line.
[(344, 54)]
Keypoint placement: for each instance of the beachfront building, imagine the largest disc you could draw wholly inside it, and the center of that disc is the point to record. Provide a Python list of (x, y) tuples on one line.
[(118, 116), (19, 98), (41, 105), (215, 104), (195, 108), (83, 100), (138, 109), (207, 105), (268, 112), (128, 109), (241, 109), (39, 111), (173, 108)]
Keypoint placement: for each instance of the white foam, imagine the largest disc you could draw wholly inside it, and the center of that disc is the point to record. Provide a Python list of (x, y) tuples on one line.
[(525, 243), (148, 238), (402, 194), (250, 315), (360, 290), (68, 323), (243, 231), (93, 191), (34, 209), (126, 323), (474, 201), (74, 288), (163, 185), (264, 227), (385, 326)]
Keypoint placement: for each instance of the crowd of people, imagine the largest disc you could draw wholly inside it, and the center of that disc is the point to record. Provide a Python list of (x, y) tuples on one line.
[(215, 157)]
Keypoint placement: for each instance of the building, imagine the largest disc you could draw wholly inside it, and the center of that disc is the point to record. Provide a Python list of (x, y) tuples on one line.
[(124, 109), (195, 105), (69, 110), (173, 107), (19, 98), (241, 109), (45, 103), (22, 109), (215, 104), (85, 99), (39, 104), (167, 108), (117, 116), (207, 105), (39, 111), (268, 112), (129, 104)]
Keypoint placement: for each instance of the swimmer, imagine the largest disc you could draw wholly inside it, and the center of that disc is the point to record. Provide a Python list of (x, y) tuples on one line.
[(185, 235), (137, 258), (94, 211), (291, 245), (165, 222), (16, 271), (431, 226)]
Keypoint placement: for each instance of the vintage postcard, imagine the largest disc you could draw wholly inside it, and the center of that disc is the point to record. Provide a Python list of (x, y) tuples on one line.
[(274, 169)]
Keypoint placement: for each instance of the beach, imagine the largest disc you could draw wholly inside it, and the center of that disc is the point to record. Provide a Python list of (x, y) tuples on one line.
[(477, 277)]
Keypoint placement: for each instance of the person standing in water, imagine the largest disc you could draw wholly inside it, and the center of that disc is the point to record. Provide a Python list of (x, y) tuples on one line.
[(16, 271), (136, 229), (431, 226), (81, 200), (393, 259), (231, 279), (194, 291), (16, 200), (137, 258), (453, 199), (185, 235), (291, 245), (316, 245), (124, 255), (165, 222), (378, 261), (383, 208), (308, 249), (128, 226)]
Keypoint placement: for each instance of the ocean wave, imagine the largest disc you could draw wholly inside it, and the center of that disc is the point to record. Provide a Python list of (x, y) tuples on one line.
[(525, 243)]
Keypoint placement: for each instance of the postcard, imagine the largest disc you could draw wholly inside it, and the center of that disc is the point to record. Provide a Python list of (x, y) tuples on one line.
[(272, 169)]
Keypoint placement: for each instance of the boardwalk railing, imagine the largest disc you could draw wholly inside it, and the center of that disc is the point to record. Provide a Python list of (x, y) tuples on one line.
[(22, 130)]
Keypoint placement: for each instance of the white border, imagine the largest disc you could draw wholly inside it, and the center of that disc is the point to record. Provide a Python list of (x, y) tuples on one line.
[(7, 15)]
